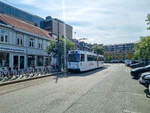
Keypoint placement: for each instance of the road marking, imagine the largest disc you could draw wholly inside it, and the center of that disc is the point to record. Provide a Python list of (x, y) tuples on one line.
[(127, 111)]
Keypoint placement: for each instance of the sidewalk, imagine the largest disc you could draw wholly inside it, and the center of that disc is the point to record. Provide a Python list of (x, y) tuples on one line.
[(2, 83)]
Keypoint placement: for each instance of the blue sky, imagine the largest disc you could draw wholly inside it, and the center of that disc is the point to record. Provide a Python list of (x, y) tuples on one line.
[(100, 21)]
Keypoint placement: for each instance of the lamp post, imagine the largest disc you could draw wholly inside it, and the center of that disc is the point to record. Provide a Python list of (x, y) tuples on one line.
[(58, 50)]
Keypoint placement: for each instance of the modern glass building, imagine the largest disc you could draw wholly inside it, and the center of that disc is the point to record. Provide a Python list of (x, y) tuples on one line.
[(20, 14)]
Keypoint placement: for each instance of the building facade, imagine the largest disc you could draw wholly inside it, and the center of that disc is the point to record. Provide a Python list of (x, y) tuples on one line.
[(22, 45), (53, 24), (119, 51), (49, 24)]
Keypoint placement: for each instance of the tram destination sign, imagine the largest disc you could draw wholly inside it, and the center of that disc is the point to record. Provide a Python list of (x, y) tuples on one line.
[(11, 49)]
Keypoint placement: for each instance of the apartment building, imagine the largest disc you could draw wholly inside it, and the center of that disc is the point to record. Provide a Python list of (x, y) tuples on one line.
[(119, 51), (53, 25)]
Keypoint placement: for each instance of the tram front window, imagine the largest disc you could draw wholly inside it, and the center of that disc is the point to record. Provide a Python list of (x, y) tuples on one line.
[(74, 57)]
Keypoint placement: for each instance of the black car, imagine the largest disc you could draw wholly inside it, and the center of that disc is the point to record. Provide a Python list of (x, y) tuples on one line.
[(136, 65), (136, 73), (145, 79)]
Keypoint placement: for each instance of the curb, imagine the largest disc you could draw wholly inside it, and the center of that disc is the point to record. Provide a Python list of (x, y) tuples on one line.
[(28, 79)]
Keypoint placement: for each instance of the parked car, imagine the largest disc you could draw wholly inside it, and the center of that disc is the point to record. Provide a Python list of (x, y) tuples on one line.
[(145, 79), (128, 62), (136, 65), (136, 73), (115, 61)]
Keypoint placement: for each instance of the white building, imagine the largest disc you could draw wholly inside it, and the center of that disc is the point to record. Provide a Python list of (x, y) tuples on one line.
[(22, 44)]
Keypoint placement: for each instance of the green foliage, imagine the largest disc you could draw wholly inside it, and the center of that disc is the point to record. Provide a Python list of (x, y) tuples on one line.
[(148, 21), (52, 48), (142, 49), (109, 58), (98, 49)]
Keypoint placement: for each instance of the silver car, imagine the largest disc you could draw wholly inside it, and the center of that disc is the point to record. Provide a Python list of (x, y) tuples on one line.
[(145, 79)]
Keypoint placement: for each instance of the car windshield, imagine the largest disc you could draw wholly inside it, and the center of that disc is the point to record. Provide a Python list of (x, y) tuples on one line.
[(148, 66)]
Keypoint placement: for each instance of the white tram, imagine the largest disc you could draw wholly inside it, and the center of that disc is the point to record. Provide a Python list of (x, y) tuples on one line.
[(83, 61)]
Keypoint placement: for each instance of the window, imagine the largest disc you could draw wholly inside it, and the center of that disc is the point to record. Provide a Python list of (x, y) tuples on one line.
[(19, 39), (31, 42), (91, 58), (6, 38), (3, 36), (47, 61), (4, 59), (40, 45), (100, 59), (74, 58), (82, 57), (40, 60)]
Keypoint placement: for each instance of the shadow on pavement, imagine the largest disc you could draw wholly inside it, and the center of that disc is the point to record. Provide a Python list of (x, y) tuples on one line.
[(87, 73), (79, 74)]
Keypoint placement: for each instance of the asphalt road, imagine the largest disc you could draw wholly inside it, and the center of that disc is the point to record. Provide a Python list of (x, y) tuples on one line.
[(107, 90)]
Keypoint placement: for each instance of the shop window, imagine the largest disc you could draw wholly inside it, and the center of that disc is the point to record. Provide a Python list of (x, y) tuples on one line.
[(47, 61), (4, 59), (31, 60), (40, 60)]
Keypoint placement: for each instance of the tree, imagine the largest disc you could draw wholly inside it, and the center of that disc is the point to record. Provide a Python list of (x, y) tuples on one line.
[(109, 58), (52, 48), (98, 49), (142, 49), (148, 21)]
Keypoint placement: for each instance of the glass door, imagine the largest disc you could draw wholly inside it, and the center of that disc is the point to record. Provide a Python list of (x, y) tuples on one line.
[(15, 61), (21, 62)]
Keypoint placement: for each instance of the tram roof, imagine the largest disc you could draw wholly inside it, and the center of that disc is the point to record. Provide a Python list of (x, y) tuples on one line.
[(83, 52)]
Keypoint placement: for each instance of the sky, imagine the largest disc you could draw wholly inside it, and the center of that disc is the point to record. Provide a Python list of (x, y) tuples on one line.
[(100, 21)]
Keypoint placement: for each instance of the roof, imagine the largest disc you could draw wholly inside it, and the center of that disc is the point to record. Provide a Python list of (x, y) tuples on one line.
[(24, 26)]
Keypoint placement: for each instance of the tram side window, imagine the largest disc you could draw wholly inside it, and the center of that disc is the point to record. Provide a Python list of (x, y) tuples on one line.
[(100, 59), (4, 59), (82, 57), (91, 58)]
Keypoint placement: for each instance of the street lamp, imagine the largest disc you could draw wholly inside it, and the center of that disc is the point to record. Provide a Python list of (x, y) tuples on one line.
[(58, 49)]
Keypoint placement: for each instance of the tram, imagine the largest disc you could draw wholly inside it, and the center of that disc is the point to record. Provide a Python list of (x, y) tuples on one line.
[(84, 61)]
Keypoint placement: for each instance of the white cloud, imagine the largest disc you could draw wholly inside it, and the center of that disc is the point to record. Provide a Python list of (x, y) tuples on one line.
[(102, 21)]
